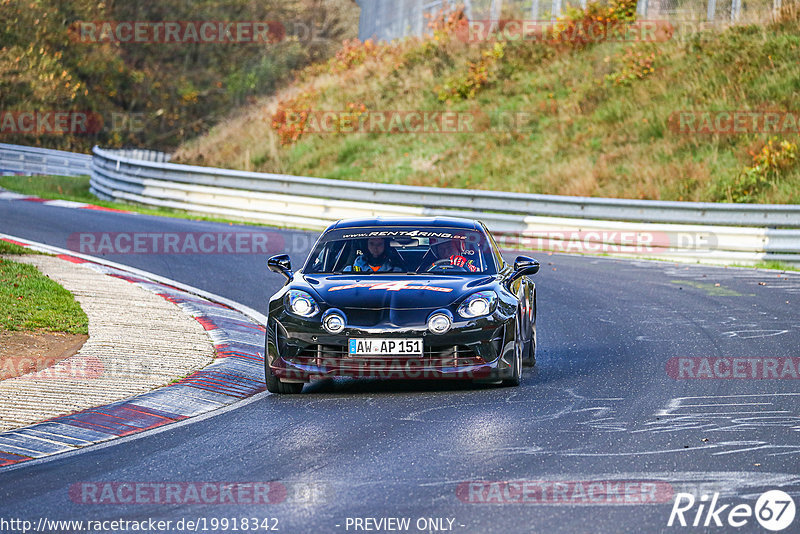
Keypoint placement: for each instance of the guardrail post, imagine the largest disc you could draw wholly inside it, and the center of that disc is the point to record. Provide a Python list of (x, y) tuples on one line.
[(712, 9), (776, 8), (736, 8), (555, 9), (495, 10), (468, 9), (535, 10)]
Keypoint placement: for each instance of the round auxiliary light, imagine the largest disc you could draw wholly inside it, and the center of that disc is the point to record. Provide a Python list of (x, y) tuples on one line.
[(439, 323), (333, 323)]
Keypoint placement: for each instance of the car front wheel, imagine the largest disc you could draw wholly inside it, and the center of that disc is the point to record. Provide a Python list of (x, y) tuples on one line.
[(274, 384)]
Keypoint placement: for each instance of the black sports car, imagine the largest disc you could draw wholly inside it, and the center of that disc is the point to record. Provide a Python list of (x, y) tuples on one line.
[(402, 298)]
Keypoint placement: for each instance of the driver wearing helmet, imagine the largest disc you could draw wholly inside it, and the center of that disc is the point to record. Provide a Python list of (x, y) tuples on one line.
[(375, 259), (453, 250)]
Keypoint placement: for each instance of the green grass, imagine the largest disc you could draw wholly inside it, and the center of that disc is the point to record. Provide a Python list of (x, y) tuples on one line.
[(75, 188), (772, 265), (714, 290), (11, 248), (30, 300), (776, 265)]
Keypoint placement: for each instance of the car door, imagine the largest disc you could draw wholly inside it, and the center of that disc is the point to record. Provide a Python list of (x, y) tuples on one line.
[(522, 288)]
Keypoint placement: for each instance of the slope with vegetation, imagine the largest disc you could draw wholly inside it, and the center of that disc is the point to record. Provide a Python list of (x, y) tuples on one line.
[(597, 114)]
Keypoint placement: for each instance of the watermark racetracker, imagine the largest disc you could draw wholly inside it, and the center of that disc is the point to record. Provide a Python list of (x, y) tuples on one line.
[(734, 122), (68, 122), (239, 242), (565, 492), (733, 368)]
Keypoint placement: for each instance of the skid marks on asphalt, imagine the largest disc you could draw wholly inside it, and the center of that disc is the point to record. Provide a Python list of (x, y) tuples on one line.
[(716, 424), (733, 321)]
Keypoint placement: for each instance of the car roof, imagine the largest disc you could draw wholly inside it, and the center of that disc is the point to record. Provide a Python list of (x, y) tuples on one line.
[(436, 222)]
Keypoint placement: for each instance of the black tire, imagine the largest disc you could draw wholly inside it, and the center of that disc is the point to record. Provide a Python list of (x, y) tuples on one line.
[(519, 348), (274, 385), (529, 356)]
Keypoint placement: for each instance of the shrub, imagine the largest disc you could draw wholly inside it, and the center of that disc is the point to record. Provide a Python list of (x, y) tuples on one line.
[(478, 74), (433, 48), (768, 166), (290, 119), (577, 27), (635, 64)]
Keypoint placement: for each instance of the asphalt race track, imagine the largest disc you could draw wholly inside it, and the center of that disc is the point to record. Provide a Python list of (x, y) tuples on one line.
[(600, 410)]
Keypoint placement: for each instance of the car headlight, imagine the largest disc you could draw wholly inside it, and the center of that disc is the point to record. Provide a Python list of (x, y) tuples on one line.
[(478, 304), (439, 323), (301, 303)]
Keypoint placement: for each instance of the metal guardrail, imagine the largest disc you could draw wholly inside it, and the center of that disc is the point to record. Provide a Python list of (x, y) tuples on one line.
[(25, 160), (119, 164), (681, 231), (686, 231)]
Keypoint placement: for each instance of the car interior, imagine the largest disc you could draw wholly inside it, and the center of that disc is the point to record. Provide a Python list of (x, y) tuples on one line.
[(411, 254)]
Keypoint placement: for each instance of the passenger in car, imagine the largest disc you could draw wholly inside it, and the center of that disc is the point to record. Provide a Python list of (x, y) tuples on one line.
[(377, 258)]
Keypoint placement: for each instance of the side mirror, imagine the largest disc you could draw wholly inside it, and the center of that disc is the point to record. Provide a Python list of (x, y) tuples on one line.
[(525, 265), (281, 264)]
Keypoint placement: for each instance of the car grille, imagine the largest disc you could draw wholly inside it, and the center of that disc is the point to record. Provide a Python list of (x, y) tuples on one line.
[(434, 356)]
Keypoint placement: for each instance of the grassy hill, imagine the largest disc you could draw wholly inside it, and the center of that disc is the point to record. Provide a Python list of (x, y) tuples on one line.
[(592, 118)]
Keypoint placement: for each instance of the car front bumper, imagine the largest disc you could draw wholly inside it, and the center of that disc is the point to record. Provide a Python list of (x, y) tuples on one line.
[(479, 349)]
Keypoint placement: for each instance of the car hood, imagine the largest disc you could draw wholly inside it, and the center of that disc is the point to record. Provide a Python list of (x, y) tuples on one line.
[(396, 292)]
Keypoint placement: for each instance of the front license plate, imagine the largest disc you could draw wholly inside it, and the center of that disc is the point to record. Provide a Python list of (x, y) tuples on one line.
[(381, 346)]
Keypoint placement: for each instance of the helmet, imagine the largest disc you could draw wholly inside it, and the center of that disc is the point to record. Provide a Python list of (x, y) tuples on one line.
[(448, 247)]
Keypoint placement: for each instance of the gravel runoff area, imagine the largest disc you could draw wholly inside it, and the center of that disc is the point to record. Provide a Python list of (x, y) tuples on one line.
[(138, 341)]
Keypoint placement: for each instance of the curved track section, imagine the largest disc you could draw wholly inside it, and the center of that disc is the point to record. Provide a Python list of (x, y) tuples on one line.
[(237, 373), (615, 421)]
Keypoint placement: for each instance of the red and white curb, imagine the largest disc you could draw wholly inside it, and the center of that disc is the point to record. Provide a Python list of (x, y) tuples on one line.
[(9, 195), (236, 374)]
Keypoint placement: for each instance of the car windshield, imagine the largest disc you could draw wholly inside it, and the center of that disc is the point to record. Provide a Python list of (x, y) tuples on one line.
[(426, 250)]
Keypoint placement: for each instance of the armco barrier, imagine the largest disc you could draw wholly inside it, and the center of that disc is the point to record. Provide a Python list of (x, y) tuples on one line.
[(681, 231), (120, 165), (685, 231), (25, 160)]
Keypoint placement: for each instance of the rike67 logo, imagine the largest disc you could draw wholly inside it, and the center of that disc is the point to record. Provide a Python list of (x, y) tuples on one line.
[(774, 510)]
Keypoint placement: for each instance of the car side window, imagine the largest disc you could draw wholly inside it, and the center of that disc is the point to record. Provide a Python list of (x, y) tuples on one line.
[(319, 262), (498, 257)]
